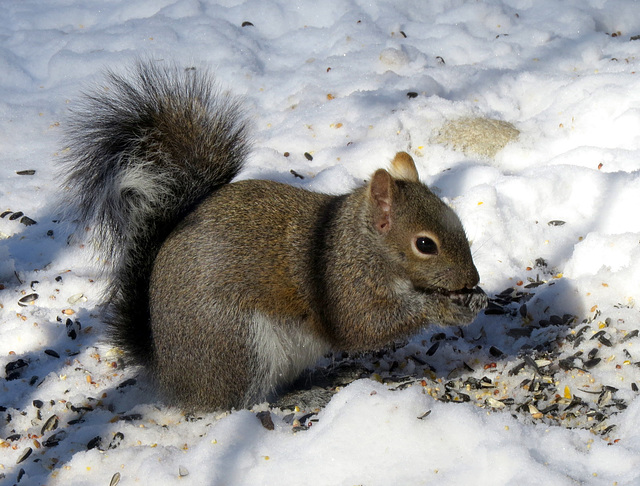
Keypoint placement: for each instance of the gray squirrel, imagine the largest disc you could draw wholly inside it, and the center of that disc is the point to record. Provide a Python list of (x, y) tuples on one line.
[(226, 291)]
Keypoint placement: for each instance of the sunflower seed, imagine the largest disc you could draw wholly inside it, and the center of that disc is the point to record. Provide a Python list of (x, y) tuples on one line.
[(115, 479), (424, 415), (27, 221), (125, 383), (556, 320), (533, 285), (13, 369), (55, 439), (516, 369), (605, 341), (551, 408), (51, 424), (117, 440), (590, 363), (71, 329), (27, 299), (520, 332), (25, 454), (95, 442), (495, 310), (132, 417), (438, 337)]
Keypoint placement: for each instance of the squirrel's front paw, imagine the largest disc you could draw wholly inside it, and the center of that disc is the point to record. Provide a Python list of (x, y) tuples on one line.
[(461, 307)]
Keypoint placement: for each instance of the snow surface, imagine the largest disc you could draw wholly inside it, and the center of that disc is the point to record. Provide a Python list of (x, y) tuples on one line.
[(331, 79)]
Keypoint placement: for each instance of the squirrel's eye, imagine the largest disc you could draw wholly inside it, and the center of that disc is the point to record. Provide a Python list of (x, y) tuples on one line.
[(426, 245)]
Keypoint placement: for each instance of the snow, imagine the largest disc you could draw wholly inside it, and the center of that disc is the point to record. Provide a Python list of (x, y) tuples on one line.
[(330, 79)]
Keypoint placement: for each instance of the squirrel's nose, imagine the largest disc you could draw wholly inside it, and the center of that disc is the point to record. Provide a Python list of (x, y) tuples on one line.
[(472, 279)]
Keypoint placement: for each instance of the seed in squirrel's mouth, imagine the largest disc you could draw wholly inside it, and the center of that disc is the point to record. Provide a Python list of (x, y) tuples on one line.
[(474, 298)]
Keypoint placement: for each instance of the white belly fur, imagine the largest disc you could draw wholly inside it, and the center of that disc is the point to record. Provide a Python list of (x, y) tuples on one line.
[(283, 351)]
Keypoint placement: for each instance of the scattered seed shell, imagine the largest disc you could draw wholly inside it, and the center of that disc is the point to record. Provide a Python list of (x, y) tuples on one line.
[(265, 419), (75, 298), (28, 299), (493, 403), (535, 413)]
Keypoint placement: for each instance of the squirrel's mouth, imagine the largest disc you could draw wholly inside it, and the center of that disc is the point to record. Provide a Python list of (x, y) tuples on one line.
[(474, 298)]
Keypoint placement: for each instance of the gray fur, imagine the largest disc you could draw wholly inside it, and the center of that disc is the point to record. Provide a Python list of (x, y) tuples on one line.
[(225, 291), (143, 149)]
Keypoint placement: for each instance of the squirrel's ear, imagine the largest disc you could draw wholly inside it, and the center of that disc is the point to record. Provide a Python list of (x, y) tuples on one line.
[(380, 198), (403, 167)]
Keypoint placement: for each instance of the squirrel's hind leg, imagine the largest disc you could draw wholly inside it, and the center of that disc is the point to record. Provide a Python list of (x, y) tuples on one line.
[(222, 361), (202, 361)]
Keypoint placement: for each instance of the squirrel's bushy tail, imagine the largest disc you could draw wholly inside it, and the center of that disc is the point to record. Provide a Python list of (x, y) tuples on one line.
[(142, 151)]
